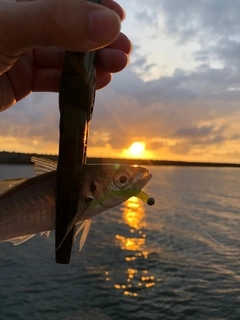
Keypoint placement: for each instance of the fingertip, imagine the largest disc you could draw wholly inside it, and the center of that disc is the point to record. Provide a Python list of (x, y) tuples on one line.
[(110, 4), (111, 60), (122, 43), (102, 79), (104, 28)]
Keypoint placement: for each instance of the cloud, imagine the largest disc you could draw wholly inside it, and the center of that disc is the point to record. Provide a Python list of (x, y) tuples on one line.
[(148, 16), (191, 113), (181, 114), (194, 132), (33, 123), (190, 19)]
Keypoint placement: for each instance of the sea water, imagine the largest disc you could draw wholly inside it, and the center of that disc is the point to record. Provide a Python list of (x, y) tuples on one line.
[(179, 259)]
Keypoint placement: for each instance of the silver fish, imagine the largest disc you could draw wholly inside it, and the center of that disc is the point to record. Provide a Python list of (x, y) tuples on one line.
[(27, 206)]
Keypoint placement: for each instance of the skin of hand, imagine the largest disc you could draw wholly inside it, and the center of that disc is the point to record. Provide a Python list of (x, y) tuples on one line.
[(34, 35)]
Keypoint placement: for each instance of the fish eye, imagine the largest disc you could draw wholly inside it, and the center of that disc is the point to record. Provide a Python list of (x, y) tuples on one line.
[(121, 179)]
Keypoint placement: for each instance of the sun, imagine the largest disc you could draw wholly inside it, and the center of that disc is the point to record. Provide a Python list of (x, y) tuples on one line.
[(136, 149)]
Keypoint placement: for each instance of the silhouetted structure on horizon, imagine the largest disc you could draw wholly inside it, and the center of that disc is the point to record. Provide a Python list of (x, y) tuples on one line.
[(25, 158)]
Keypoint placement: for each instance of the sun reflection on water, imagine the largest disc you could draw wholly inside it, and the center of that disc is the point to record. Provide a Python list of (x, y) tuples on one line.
[(134, 217), (134, 214)]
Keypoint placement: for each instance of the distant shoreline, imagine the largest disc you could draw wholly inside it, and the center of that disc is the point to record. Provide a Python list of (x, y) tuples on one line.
[(25, 158)]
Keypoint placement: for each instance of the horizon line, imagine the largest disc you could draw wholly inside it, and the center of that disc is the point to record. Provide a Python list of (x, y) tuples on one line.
[(25, 158)]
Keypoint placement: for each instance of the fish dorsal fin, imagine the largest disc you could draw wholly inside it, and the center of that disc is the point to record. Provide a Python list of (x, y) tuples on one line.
[(42, 165), (20, 240), (86, 227), (10, 183)]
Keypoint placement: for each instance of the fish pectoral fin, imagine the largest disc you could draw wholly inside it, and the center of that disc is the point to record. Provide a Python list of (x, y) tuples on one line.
[(20, 240), (85, 226), (75, 219), (43, 165), (10, 183)]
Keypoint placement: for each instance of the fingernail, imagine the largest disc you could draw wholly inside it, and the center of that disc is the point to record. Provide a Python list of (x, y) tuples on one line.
[(105, 26)]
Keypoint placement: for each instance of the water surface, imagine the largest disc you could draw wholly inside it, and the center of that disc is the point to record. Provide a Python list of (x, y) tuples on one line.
[(139, 262)]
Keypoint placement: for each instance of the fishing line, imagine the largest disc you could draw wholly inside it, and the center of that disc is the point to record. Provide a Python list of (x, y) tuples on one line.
[(204, 230)]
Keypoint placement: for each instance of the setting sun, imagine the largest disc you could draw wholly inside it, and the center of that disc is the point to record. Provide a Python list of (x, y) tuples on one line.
[(136, 150)]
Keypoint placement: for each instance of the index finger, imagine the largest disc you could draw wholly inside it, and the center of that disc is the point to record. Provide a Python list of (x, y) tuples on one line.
[(110, 4)]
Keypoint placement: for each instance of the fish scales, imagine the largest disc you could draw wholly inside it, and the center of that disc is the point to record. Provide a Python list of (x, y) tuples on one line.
[(28, 207)]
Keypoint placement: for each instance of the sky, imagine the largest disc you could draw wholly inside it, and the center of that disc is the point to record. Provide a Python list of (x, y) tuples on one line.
[(179, 97)]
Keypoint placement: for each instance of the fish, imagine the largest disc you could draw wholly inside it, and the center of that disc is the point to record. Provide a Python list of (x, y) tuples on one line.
[(28, 206)]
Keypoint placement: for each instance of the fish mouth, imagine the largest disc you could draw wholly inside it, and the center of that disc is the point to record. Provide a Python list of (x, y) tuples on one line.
[(142, 178)]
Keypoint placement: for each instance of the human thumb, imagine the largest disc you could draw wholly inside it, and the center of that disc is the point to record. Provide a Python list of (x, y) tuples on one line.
[(76, 25)]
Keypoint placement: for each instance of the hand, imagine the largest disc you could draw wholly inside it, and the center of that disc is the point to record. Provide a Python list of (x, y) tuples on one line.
[(34, 35)]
